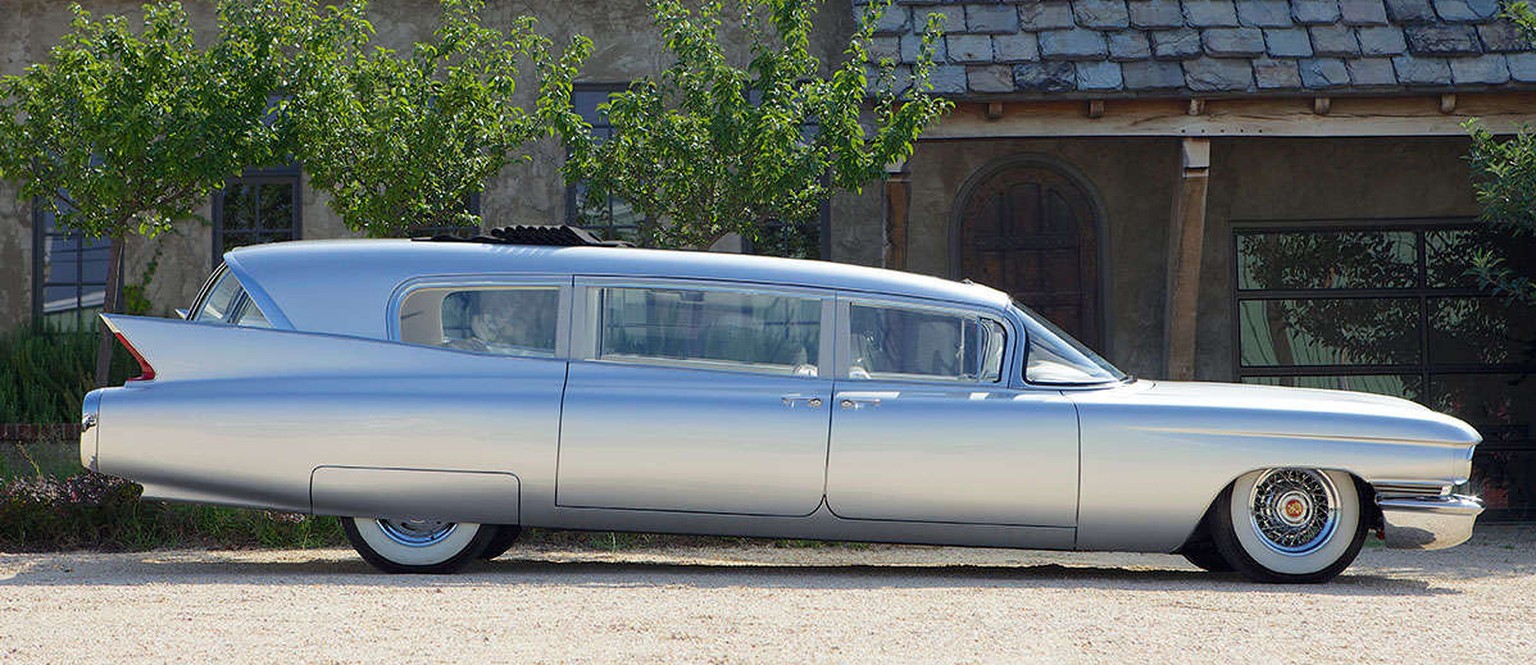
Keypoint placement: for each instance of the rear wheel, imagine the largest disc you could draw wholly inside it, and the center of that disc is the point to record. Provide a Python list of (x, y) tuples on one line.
[(1289, 525), (417, 546)]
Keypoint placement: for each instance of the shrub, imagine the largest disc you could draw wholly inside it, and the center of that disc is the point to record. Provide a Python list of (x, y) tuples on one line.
[(45, 373)]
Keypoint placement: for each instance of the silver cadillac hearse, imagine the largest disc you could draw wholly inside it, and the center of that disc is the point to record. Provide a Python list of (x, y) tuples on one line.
[(439, 396)]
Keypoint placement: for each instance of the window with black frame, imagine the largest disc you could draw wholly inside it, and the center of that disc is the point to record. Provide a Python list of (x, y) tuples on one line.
[(1391, 309), (259, 207), (69, 273), (616, 219)]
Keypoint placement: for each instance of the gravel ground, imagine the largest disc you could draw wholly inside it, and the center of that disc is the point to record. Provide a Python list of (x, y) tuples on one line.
[(1472, 604)]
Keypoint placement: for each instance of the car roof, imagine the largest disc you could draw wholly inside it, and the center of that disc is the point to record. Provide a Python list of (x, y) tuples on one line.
[(343, 286)]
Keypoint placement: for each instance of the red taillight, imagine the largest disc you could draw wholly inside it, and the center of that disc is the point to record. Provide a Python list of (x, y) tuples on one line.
[(146, 372)]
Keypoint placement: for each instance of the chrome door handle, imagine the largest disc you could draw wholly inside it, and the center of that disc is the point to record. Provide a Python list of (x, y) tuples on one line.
[(849, 403), (809, 400)]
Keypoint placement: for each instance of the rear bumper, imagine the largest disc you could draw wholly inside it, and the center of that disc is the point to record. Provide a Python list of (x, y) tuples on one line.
[(1429, 523)]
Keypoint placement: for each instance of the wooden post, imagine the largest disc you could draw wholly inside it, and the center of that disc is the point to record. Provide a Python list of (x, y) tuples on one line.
[(1186, 237), (898, 197)]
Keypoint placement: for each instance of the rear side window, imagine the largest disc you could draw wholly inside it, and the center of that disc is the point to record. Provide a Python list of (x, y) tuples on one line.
[(228, 303), (711, 329), (509, 321), (902, 343)]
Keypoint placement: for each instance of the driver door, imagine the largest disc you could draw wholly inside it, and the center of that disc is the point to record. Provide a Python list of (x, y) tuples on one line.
[(926, 427)]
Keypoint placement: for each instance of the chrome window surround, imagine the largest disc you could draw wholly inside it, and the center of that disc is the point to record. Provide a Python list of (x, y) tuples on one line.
[(1012, 336), (585, 318), (562, 317)]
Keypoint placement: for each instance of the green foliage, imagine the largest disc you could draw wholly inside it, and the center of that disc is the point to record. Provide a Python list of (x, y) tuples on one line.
[(709, 147), (403, 141), (1504, 178), (126, 131), (44, 374), (43, 513)]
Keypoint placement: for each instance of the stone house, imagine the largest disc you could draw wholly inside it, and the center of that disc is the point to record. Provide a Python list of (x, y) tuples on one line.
[(1268, 191)]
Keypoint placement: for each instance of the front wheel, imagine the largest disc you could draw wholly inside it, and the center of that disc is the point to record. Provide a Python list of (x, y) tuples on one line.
[(417, 546), (1290, 525)]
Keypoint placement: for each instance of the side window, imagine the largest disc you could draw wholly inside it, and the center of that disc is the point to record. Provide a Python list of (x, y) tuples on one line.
[(508, 321), (228, 303), (732, 330), (908, 343)]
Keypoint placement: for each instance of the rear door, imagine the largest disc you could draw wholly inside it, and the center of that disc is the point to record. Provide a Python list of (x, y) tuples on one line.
[(926, 426), (697, 397)]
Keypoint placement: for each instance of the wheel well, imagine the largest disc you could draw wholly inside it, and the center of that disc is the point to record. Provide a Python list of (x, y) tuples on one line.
[(1368, 510)]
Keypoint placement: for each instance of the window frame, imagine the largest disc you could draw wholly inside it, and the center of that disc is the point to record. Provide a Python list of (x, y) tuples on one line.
[(40, 236), (585, 319), (563, 283), (1421, 293), (1010, 371), (292, 174)]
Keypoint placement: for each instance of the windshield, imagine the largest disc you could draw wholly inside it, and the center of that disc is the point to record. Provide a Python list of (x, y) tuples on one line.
[(1053, 357)]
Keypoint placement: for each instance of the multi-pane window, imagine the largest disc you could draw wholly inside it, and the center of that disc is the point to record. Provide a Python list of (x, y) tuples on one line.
[(901, 343), (509, 321), (1392, 309), (711, 329), (616, 219), (610, 219), (259, 207), (69, 276)]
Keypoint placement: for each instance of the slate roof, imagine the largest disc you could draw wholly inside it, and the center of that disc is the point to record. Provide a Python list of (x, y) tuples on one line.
[(1178, 48)]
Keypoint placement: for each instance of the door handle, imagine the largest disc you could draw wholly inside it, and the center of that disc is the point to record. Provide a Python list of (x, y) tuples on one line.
[(850, 403), (808, 400)]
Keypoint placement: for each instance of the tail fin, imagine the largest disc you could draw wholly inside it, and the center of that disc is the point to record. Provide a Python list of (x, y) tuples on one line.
[(182, 350)]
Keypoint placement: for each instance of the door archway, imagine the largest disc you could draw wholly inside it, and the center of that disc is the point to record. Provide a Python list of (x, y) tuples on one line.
[(1029, 228)]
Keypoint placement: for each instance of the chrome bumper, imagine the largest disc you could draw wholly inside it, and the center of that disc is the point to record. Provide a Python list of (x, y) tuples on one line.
[(1429, 523)]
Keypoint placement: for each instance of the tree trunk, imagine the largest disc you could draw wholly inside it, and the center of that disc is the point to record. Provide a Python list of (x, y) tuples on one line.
[(109, 305)]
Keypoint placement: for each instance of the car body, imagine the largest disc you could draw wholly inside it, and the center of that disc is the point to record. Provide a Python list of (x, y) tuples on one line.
[(429, 384)]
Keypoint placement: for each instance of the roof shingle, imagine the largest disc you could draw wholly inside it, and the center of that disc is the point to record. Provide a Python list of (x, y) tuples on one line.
[(1091, 48)]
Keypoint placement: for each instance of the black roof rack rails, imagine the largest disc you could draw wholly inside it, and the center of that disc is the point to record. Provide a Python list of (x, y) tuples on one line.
[(552, 235)]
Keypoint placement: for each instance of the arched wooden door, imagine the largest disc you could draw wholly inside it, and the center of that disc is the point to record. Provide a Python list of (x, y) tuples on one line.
[(1029, 230)]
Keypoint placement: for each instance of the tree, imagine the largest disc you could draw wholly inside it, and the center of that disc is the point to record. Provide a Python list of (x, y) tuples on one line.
[(1504, 177), (124, 132), (708, 147), (403, 141)]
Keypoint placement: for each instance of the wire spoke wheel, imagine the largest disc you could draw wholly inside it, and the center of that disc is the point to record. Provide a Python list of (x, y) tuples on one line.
[(1294, 511), (1289, 524)]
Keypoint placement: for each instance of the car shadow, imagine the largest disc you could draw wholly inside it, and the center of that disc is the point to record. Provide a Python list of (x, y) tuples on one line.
[(512, 571)]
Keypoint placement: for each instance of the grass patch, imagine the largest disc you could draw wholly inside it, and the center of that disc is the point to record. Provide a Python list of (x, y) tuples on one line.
[(49, 503), (45, 374)]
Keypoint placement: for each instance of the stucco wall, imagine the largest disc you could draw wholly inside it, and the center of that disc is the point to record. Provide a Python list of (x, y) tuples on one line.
[(1315, 180), (1132, 180)]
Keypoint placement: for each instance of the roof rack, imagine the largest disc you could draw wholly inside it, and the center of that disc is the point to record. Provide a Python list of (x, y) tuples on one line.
[(552, 235)]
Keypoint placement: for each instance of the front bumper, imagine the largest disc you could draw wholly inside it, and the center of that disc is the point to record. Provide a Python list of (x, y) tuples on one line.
[(1429, 523)]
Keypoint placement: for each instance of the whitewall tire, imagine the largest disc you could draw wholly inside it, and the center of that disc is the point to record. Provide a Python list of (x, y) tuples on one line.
[(417, 546), (1290, 525)]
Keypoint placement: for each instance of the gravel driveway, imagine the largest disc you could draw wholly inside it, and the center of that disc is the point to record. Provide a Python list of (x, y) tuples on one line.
[(1472, 604)]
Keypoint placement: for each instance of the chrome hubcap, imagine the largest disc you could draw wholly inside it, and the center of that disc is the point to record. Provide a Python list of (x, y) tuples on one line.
[(417, 533), (1294, 511)]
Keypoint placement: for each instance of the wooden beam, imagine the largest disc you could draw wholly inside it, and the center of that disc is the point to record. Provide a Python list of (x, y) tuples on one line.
[(1186, 241), (994, 110), (1196, 107), (898, 197), (1448, 103), (1321, 105), (1502, 113), (1096, 108)]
